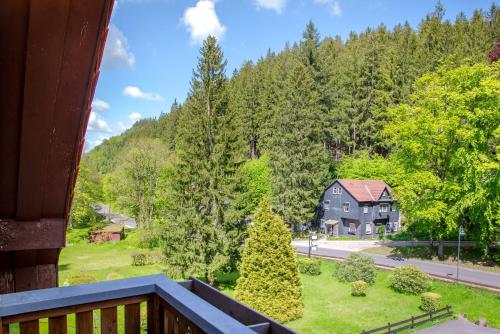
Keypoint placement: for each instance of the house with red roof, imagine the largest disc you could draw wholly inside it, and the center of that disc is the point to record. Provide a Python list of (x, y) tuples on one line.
[(363, 208)]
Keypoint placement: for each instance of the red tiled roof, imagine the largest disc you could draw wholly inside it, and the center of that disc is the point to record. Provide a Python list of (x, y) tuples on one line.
[(364, 190)]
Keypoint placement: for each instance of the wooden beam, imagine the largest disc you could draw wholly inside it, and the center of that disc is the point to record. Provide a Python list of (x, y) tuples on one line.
[(31, 235)]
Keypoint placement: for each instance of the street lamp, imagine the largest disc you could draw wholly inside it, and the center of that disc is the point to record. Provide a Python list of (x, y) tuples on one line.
[(460, 234)]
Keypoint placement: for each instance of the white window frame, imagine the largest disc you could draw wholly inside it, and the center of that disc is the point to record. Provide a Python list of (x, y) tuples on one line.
[(337, 190), (326, 205), (365, 209), (393, 208), (346, 205), (384, 207)]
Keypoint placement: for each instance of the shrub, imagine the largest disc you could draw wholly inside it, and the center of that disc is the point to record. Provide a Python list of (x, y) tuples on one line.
[(309, 266), (77, 279), (356, 267), (430, 301), (410, 280), (269, 281), (380, 230), (358, 288), (146, 258)]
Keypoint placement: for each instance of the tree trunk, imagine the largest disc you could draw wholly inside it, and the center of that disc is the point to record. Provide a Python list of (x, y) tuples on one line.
[(440, 252)]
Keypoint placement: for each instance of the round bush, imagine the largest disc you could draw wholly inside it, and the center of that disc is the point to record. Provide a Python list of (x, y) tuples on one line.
[(139, 259), (430, 301), (358, 288), (356, 267), (78, 279), (309, 266), (410, 280)]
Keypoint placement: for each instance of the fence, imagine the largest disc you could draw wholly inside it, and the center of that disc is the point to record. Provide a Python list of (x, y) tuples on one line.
[(412, 322)]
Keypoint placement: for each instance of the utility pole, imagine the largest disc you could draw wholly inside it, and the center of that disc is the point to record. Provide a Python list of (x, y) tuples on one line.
[(460, 234)]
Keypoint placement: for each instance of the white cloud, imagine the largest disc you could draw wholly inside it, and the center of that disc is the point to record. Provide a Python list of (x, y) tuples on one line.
[(97, 124), (276, 5), (90, 144), (136, 93), (121, 127), (333, 5), (135, 116), (116, 51), (100, 105), (202, 21)]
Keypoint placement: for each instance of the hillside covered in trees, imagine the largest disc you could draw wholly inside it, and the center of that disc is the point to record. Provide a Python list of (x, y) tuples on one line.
[(416, 107)]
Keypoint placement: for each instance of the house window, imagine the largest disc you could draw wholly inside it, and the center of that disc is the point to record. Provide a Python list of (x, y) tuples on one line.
[(346, 206), (369, 228), (326, 205), (365, 209), (352, 228), (384, 208), (337, 190), (393, 208)]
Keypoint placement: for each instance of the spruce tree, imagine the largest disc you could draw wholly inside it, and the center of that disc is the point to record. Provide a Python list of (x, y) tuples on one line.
[(269, 279), (196, 233), (298, 160)]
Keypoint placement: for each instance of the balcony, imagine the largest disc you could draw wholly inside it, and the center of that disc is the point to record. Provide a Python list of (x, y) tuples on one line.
[(174, 308)]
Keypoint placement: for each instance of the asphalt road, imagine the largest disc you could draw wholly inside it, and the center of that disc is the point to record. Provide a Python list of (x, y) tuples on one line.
[(467, 275)]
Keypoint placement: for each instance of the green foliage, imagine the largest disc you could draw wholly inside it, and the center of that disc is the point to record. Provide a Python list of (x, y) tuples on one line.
[(359, 288), (446, 142), (410, 280), (430, 301), (380, 230), (198, 237), (146, 258), (87, 196), (298, 160), (309, 266), (356, 267), (269, 279), (363, 165)]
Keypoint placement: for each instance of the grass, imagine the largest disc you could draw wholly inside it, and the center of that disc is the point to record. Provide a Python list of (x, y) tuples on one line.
[(469, 258), (330, 308)]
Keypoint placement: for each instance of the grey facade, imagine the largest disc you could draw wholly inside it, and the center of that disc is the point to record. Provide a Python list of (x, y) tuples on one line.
[(345, 210)]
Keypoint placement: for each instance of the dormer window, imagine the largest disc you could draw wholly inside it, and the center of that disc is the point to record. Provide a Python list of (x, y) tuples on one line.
[(337, 190)]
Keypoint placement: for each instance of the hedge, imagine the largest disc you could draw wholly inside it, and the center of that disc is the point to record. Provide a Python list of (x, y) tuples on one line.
[(410, 280), (309, 266), (430, 301)]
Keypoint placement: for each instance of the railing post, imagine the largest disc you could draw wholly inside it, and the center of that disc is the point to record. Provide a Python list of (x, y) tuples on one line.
[(154, 315), (412, 322), (389, 327), (4, 329)]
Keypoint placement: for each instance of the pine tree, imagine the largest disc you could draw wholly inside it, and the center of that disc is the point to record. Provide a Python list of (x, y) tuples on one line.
[(269, 280), (298, 160), (196, 229)]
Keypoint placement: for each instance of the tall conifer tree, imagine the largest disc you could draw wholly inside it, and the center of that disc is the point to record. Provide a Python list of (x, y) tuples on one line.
[(196, 234)]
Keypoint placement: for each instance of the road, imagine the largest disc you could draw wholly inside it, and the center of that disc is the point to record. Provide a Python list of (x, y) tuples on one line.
[(473, 276), (115, 218)]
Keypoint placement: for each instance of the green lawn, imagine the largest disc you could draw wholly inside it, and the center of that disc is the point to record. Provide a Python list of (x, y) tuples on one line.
[(329, 307)]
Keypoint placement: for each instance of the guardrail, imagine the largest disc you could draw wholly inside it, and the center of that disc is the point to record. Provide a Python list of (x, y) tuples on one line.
[(411, 322), (171, 308)]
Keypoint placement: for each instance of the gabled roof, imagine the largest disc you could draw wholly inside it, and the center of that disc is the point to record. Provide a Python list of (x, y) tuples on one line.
[(364, 190)]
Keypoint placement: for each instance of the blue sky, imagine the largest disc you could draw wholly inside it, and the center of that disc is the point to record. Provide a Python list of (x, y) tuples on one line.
[(153, 45)]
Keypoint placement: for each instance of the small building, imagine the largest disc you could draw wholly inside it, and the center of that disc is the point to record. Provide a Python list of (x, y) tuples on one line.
[(109, 233), (364, 208)]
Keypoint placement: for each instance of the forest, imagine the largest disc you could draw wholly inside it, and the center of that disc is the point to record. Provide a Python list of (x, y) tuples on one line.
[(415, 106)]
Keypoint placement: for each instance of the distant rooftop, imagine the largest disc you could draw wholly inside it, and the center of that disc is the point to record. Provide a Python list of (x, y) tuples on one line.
[(364, 190)]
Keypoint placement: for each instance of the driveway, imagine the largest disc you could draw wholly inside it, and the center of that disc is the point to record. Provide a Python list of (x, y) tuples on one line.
[(342, 249)]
